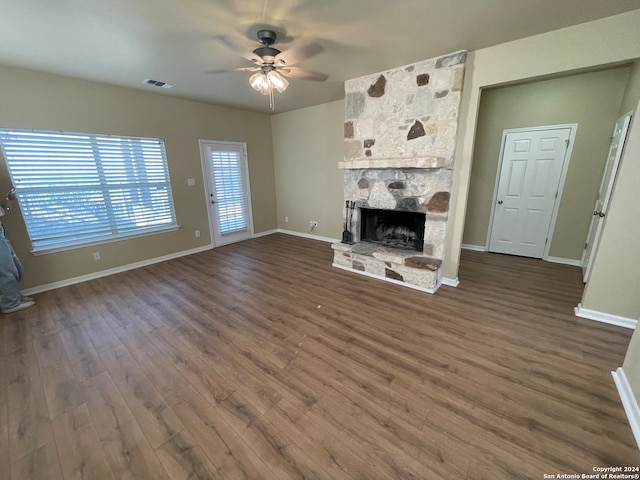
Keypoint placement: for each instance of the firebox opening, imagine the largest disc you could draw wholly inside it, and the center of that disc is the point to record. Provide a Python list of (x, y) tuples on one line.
[(393, 228)]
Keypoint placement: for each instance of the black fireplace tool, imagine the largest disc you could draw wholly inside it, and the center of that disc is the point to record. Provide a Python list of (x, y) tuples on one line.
[(353, 206), (346, 234)]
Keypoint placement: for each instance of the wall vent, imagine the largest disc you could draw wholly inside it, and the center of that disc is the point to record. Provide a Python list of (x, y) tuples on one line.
[(158, 83)]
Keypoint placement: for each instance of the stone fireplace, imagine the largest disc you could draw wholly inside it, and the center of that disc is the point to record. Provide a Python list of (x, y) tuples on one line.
[(400, 133)]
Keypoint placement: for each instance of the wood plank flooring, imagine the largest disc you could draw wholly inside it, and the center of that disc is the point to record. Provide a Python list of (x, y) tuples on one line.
[(260, 361)]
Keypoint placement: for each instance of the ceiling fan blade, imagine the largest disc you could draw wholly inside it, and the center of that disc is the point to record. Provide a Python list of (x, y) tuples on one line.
[(296, 72), (299, 51), (239, 49), (231, 70)]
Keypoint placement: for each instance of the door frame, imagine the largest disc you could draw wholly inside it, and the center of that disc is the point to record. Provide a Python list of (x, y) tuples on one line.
[(211, 215), (573, 128)]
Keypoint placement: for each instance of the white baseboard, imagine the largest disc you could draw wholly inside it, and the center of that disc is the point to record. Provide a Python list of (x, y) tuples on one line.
[(605, 317), (475, 248), (564, 261), (309, 235), (112, 271), (629, 402), (450, 282), (265, 233), (390, 280)]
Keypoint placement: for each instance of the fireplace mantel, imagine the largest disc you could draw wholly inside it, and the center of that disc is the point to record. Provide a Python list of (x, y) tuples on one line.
[(421, 162)]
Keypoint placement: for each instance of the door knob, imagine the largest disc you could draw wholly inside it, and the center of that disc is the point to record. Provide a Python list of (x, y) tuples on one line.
[(595, 213), (601, 214), (499, 202)]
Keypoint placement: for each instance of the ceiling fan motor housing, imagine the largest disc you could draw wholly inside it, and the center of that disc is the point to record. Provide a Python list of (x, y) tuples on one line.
[(266, 37), (267, 52)]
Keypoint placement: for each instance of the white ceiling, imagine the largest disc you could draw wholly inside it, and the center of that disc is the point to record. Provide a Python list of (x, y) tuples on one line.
[(123, 42)]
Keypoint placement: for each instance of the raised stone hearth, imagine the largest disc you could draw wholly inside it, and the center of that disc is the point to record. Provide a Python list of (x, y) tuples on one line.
[(387, 262), (400, 135)]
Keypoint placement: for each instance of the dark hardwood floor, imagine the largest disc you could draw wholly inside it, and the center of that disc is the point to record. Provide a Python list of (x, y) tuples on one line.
[(260, 361)]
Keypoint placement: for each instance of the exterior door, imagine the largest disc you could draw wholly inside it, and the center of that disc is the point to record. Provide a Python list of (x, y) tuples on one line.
[(529, 180), (226, 171), (604, 194)]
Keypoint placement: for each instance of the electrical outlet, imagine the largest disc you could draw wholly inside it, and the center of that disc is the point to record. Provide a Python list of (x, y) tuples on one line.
[(191, 182), (313, 223), (197, 233), (96, 256), (286, 219)]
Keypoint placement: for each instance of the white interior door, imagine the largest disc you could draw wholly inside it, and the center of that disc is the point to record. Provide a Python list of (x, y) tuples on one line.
[(604, 194), (528, 184), (225, 167)]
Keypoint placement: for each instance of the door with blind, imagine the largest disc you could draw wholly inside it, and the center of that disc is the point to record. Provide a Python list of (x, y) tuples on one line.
[(226, 172)]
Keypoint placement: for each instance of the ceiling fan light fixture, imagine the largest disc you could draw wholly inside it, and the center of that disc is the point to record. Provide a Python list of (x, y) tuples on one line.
[(277, 81), (265, 83), (257, 81), (271, 63), (265, 89)]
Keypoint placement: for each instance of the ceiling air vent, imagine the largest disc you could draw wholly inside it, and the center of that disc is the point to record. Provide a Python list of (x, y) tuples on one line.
[(158, 83)]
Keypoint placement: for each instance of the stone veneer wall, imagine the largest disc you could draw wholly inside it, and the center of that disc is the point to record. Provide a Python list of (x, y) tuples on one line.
[(400, 135), (403, 189)]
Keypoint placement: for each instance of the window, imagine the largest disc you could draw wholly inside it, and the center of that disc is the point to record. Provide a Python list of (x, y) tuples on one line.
[(228, 182), (74, 188)]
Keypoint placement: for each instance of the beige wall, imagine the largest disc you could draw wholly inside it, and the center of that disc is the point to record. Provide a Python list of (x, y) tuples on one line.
[(34, 100), (607, 41), (631, 365), (632, 93), (592, 101), (307, 146)]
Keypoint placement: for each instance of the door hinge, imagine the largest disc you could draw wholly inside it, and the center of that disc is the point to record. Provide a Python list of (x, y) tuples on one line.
[(567, 142), (586, 245), (546, 240), (556, 194)]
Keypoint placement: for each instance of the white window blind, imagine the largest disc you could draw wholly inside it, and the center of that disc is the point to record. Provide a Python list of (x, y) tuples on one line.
[(78, 188), (228, 181)]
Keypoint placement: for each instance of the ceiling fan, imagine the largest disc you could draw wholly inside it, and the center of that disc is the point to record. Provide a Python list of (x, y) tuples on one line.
[(272, 65)]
